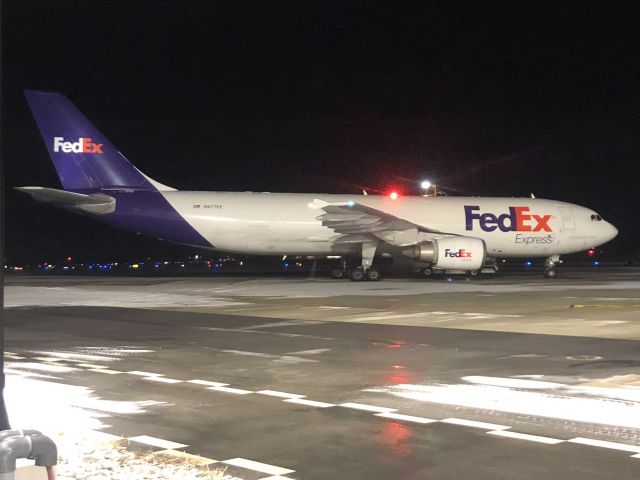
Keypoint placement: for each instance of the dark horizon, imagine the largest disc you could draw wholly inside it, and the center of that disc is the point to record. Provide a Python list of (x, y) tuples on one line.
[(485, 99)]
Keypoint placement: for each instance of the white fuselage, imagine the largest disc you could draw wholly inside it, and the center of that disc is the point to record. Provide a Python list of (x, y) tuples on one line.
[(284, 223)]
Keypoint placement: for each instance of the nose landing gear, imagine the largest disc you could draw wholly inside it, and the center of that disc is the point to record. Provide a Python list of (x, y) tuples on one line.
[(550, 266)]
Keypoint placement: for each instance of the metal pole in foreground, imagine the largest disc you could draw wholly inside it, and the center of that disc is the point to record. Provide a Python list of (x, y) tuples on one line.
[(4, 418)]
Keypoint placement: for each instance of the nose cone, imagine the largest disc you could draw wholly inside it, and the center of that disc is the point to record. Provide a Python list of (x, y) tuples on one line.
[(610, 232)]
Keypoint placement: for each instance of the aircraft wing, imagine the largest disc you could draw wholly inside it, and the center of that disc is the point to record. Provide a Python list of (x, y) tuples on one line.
[(97, 203), (358, 223)]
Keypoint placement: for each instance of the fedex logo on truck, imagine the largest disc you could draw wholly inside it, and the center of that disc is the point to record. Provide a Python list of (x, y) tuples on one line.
[(83, 145), (517, 220)]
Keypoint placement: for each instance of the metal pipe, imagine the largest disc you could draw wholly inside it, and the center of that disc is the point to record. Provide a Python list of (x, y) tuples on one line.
[(31, 444)]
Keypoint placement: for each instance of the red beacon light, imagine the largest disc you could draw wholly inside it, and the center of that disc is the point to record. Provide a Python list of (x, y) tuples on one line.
[(393, 195), (591, 252)]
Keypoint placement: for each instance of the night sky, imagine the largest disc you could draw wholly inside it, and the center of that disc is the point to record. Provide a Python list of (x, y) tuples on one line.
[(485, 98)]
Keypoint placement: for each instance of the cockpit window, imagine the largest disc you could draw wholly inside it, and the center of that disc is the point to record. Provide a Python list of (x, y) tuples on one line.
[(596, 218)]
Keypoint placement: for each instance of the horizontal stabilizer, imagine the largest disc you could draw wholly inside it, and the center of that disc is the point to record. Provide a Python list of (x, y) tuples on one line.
[(96, 203)]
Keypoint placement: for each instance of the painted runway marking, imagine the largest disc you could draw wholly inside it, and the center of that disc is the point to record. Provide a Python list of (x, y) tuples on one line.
[(90, 365), (237, 391), (207, 383), (257, 466), (474, 424), (276, 358), (604, 444), (608, 305), (512, 382), (280, 334), (144, 374), (367, 408), (47, 359), (524, 436), (316, 351), (310, 403), (157, 442), (162, 379), (274, 393), (406, 418), (105, 370)]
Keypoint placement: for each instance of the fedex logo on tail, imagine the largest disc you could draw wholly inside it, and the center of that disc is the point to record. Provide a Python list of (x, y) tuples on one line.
[(83, 145), (517, 220)]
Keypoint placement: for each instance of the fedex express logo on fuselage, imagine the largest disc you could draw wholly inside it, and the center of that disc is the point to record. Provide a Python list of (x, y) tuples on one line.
[(83, 145), (517, 220)]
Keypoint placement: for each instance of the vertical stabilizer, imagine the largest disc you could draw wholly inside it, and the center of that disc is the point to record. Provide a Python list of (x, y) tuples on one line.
[(83, 157)]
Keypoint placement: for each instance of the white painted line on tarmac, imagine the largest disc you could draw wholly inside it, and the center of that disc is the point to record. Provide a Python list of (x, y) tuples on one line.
[(604, 444), (12, 356), (105, 370), (90, 365), (406, 418), (367, 408), (524, 436), (275, 477), (474, 424), (512, 382), (144, 374), (47, 359), (310, 403), (162, 379), (207, 383), (257, 466), (237, 391), (274, 393), (157, 442)]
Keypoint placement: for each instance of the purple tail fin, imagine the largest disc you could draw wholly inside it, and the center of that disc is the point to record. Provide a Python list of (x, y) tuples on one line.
[(83, 157)]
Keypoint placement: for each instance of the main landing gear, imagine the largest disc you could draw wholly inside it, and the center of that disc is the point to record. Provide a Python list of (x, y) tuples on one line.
[(363, 272), (550, 266)]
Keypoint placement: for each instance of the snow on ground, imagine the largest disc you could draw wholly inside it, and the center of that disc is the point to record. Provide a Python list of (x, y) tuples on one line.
[(72, 416), (140, 297), (606, 406), (220, 293)]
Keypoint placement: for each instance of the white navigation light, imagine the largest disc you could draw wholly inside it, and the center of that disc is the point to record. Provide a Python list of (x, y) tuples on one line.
[(425, 184)]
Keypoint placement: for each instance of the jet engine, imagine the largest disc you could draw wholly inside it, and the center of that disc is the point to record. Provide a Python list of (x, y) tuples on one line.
[(451, 253)]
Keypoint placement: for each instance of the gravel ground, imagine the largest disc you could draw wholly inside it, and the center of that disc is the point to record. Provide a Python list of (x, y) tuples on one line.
[(87, 458)]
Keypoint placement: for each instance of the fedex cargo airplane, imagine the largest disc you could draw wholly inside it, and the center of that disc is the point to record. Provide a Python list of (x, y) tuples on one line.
[(441, 233)]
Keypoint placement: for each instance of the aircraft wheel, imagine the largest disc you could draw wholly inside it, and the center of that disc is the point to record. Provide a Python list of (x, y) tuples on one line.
[(474, 273), (427, 272), (357, 275), (373, 275), (550, 273), (338, 273)]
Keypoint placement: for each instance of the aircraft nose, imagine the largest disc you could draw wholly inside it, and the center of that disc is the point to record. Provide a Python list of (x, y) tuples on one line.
[(612, 232)]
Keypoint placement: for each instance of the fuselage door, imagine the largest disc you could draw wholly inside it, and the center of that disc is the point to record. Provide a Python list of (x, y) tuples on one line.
[(568, 221)]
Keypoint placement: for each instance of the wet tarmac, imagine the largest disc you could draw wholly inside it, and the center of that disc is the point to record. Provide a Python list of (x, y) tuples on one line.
[(512, 377)]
